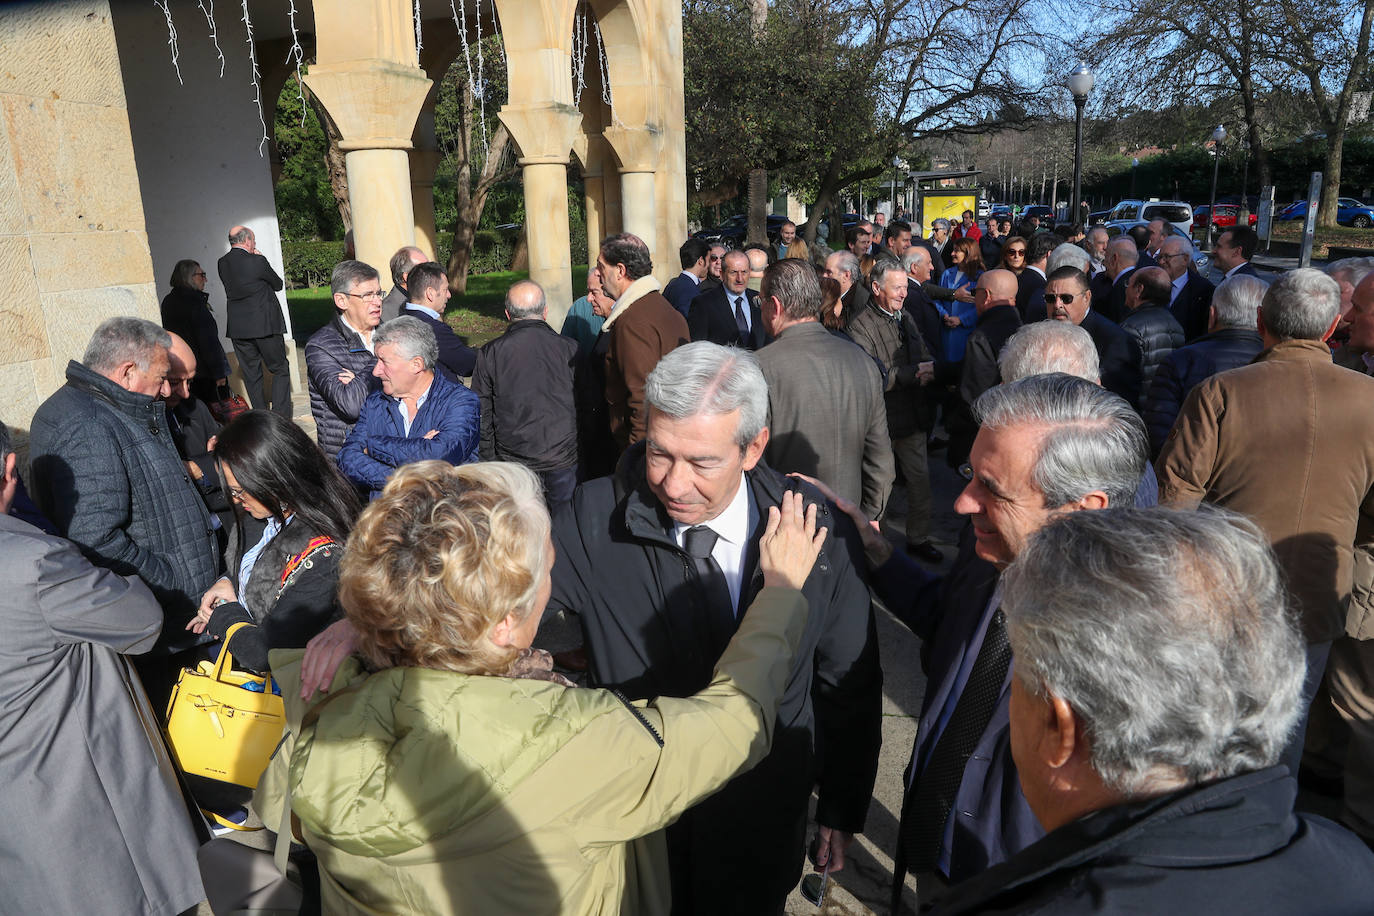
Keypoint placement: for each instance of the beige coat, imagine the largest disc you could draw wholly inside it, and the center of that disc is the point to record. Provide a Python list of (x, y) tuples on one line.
[(1288, 441)]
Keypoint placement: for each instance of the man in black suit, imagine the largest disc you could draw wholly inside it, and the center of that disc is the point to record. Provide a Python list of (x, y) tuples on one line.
[(1109, 287), (1143, 237), (1118, 354), (686, 286), (427, 286), (843, 268), (916, 262), (1192, 293), (995, 300), (714, 258), (1031, 283), (1233, 252), (254, 321), (730, 315)]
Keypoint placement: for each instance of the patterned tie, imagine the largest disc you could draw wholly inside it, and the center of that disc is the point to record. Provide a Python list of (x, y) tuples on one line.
[(740, 321), (929, 801), (720, 610)]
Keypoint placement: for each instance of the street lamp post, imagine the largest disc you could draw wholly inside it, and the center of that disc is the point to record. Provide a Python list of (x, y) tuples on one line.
[(1218, 136), (1080, 84)]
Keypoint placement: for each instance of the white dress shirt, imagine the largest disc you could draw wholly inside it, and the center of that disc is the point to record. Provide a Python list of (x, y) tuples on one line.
[(407, 419), (733, 527)]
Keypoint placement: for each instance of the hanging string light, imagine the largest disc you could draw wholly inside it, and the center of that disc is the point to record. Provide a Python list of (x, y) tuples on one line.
[(579, 53), (171, 37), (605, 72), (296, 55), (419, 40), (208, 8), (257, 84)]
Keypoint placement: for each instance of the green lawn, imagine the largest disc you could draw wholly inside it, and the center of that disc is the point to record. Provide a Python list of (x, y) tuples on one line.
[(478, 315)]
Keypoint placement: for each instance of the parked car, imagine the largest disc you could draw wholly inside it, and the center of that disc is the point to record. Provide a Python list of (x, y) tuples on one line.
[(1178, 212), (1098, 217), (1349, 212), (984, 208), (1200, 259), (731, 233), (1226, 217), (1045, 214), (1001, 210)]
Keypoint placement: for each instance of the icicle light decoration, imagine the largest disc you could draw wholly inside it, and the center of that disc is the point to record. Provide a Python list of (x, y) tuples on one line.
[(605, 72), (419, 39), (296, 56), (208, 8), (479, 88), (171, 37), (257, 84), (579, 53)]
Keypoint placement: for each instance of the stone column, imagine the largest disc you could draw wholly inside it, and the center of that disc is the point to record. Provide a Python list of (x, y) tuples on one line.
[(637, 148), (424, 162), (545, 136), (595, 190), (367, 78)]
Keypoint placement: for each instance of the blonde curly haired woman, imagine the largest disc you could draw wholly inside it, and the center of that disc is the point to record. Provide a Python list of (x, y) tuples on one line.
[(451, 770)]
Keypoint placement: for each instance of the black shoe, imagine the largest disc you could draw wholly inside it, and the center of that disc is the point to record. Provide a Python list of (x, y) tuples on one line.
[(925, 551)]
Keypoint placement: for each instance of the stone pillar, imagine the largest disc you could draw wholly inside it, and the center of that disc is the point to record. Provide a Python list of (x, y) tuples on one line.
[(637, 149), (367, 78), (545, 136), (594, 186), (424, 162)]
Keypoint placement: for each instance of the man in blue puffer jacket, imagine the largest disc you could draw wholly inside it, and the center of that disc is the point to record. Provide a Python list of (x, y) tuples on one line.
[(418, 415), (339, 358)]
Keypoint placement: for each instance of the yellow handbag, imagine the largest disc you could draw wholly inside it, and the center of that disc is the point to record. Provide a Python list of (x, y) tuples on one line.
[(219, 730)]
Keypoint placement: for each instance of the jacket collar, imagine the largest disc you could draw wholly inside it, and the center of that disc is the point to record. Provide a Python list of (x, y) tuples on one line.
[(636, 291), (1296, 351), (997, 313), (351, 338), (130, 403)]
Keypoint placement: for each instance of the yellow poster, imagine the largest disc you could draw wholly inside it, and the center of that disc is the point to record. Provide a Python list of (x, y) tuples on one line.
[(949, 204)]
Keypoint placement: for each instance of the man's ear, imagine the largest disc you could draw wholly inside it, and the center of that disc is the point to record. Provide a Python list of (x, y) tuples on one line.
[(754, 450), (1063, 732), (1331, 330)]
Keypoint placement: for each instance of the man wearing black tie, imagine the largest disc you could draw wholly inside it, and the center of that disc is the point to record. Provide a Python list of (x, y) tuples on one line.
[(1046, 445), (729, 315)]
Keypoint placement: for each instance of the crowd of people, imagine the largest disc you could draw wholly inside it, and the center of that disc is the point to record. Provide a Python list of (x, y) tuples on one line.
[(1169, 497)]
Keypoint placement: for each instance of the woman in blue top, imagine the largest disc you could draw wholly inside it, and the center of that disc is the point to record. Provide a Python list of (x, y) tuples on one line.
[(959, 317)]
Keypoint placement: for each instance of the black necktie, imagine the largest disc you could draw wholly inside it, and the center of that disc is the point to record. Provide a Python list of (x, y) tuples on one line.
[(719, 609), (928, 802), (740, 321)]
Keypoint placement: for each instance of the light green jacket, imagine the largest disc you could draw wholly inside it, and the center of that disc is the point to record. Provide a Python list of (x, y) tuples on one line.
[(428, 791)]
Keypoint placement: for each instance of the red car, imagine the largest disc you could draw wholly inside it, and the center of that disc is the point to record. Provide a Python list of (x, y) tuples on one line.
[(1226, 216)]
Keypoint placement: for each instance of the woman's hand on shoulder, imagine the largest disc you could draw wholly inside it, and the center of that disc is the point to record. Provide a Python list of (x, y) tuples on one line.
[(790, 543)]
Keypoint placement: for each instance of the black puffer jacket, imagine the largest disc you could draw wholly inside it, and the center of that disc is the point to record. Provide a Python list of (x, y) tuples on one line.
[(105, 471), (1185, 367), (1158, 334), (335, 406), (524, 379)]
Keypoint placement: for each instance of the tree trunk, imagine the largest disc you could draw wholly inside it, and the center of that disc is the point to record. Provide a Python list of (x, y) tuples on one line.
[(333, 160), (1331, 179), (470, 200), (758, 208)]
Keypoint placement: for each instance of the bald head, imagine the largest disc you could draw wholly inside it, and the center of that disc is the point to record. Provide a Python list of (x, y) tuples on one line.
[(1148, 286), (181, 369), (758, 261), (525, 299), (1001, 290), (1122, 255)]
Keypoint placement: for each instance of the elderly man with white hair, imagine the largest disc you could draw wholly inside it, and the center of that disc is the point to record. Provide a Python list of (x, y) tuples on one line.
[(1157, 676), (1285, 440), (1231, 340)]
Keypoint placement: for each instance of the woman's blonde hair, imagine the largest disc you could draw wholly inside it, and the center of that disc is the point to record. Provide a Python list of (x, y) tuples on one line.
[(439, 558)]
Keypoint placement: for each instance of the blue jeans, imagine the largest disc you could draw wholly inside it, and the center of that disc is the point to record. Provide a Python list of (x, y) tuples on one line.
[(558, 486)]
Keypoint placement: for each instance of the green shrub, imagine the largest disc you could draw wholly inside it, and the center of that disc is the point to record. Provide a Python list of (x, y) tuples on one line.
[(309, 264)]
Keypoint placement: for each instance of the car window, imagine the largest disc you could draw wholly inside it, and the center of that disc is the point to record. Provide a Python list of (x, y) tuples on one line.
[(1171, 212), (1125, 211), (1348, 202)]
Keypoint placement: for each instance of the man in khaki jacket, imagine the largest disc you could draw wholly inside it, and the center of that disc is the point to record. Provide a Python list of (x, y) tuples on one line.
[(1286, 440)]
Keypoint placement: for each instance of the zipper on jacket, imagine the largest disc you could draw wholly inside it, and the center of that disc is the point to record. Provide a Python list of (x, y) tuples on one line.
[(639, 716)]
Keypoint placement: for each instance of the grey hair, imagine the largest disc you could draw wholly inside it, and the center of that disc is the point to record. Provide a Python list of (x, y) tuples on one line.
[(1049, 346), (794, 283), (124, 340), (1168, 633), (882, 267), (1301, 304), (1069, 255), (243, 235), (848, 263), (536, 310), (1237, 301), (706, 379), (916, 253), (1094, 440), (1352, 270), (402, 261), (1099, 229), (347, 274), (940, 223), (411, 336)]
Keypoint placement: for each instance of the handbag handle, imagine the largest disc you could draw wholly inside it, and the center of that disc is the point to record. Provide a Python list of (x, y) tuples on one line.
[(225, 662)]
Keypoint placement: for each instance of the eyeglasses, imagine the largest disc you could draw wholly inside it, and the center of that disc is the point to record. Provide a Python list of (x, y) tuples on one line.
[(1064, 298), (966, 471), (1164, 257), (1016, 252), (199, 273), (375, 294), (236, 492)]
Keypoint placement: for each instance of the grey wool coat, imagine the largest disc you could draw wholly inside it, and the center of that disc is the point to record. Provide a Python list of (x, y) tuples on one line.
[(95, 821), (106, 472)]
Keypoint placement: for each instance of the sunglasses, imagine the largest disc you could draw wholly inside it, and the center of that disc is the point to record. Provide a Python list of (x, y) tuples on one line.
[(1016, 252), (1064, 298)]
